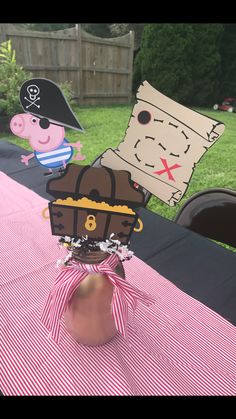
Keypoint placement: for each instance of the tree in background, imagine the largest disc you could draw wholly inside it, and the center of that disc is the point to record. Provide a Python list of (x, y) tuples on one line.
[(181, 60), (206, 63), (48, 27), (228, 62), (119, 29), (164, 60), (97, 29)]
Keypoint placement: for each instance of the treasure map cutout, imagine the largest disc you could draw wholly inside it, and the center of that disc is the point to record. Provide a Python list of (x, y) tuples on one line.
[(94, 202), (163, 143)]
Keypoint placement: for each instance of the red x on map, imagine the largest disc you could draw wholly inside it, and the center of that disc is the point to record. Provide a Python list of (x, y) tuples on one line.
[(167, 169)]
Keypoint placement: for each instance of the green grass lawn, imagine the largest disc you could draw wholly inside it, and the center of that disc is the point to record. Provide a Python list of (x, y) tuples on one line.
[(105, 127)]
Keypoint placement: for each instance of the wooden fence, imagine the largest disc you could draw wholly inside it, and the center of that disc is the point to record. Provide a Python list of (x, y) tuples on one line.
[(100, 69)]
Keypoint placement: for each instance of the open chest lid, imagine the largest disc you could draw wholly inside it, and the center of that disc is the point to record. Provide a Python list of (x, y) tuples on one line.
[(96, 183)]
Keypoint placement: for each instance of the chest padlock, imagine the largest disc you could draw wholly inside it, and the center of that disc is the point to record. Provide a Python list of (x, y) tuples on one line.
[(90, 223)]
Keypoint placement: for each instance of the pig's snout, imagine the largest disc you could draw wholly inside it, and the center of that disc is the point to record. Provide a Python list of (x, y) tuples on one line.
[(17, 124)]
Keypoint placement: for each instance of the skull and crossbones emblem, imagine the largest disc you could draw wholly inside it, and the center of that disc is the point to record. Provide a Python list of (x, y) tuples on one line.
[(33, 92)]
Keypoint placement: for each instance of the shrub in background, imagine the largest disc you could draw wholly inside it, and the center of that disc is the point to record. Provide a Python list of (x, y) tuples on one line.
[(206, 63), (228, 62), (12, 76), (164, 59), (66, 88), (183, 61)]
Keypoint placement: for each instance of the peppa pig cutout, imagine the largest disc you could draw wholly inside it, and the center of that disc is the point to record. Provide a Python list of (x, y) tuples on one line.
[(163, 143), (46, 114)]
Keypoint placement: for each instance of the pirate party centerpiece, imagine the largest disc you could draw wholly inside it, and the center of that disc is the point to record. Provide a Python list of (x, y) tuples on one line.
[(47, 112), (163, 143), (95, 208), (95, 214)]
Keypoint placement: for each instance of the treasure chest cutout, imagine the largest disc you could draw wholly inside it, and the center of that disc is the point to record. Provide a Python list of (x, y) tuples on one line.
[(95, 202)]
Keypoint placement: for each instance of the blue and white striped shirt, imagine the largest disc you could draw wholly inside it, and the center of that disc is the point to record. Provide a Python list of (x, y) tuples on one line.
[(55, 158)]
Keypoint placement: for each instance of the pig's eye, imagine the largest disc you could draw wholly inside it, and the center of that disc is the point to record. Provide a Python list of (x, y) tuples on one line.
[(144, 117), (34, 121)]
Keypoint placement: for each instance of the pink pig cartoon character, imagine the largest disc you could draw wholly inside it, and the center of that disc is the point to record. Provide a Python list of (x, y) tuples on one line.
[(46, 114)]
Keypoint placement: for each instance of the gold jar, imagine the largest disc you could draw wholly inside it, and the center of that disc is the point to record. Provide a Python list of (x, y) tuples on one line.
[(88, 317)]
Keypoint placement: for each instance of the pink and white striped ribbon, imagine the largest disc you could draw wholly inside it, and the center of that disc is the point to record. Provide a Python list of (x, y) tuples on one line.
[(69, 279)]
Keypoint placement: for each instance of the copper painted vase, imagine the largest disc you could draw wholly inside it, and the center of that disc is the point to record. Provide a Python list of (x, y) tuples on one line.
[(88, 317)]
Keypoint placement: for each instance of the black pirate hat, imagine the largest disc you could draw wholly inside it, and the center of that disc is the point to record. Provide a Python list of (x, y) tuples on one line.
[(43, 98)]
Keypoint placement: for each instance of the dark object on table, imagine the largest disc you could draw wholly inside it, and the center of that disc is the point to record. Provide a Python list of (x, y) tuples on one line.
[(228, 104), (107, 202), (211, 213)]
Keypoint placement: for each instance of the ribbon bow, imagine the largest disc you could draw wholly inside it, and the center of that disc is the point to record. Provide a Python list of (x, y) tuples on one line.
[(69, 279)]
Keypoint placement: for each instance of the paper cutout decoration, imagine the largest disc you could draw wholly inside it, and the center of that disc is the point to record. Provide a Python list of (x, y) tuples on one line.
[(163, 143), (43, 98), (96, 202), (47, 113)]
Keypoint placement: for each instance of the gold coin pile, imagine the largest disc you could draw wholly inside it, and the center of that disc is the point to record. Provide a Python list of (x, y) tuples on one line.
[(88, 203)]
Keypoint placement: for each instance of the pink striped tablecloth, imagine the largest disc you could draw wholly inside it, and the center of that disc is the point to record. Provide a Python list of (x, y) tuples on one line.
[(177, 347)]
